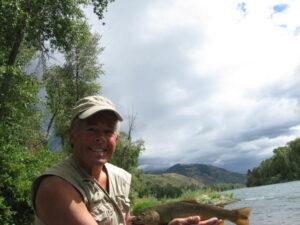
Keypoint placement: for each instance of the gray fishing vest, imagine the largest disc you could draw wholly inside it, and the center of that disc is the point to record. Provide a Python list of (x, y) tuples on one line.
[(107, 208)]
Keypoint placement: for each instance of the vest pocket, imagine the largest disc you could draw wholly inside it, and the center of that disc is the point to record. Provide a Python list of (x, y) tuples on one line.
[(123, 203), (102, 219), (103, 214)]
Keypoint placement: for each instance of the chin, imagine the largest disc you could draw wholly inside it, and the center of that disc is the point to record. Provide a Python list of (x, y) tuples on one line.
[(101, 161)]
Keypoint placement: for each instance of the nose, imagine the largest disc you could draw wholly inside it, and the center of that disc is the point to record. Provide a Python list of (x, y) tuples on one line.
[(100, 139)]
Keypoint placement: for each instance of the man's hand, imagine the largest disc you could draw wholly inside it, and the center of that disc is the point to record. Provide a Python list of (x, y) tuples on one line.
[(195, 220), (129, 219)]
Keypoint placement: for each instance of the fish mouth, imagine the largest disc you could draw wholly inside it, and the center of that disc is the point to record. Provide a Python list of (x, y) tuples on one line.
[(137, 221)]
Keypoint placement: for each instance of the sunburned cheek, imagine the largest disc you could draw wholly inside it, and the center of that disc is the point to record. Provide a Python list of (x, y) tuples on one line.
[(112, 141)]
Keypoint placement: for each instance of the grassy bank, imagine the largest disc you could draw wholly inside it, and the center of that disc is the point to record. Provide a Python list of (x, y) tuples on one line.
[(201, 195)]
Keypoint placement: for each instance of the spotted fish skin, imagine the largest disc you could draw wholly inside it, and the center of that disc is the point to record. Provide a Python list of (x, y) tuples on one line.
[(164, 213)]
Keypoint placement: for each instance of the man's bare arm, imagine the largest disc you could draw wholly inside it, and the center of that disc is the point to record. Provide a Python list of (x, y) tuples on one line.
[(59, 203)]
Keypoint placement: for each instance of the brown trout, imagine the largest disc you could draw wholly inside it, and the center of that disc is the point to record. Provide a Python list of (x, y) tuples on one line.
[(163, 214)]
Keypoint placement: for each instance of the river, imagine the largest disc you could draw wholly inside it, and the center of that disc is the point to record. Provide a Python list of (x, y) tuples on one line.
[(274, 204)]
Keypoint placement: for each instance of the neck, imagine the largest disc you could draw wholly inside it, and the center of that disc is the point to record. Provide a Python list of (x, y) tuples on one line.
[(96, 171)]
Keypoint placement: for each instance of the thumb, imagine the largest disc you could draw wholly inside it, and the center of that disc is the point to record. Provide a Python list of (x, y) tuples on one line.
[(211, 221), (193, 220)]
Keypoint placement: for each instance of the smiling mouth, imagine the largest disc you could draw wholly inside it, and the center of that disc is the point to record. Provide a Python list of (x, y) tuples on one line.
[(98, 149)]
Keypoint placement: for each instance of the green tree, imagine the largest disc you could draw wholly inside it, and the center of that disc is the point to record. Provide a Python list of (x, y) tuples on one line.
[(33, 24), (18, 168), (127, 152), (75, 79), (21, 143), (293, 155), (27, 27), (282, 166)]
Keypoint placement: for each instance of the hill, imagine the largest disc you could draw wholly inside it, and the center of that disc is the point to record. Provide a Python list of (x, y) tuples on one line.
[(173, 179), (206, 174)]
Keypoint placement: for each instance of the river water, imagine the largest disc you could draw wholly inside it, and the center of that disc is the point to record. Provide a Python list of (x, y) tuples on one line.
[(274, 204)]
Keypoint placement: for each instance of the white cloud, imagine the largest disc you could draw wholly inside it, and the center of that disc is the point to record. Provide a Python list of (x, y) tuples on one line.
[(210, 82)]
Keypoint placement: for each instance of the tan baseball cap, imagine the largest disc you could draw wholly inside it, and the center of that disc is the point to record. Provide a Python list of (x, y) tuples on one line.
[(90, 105)]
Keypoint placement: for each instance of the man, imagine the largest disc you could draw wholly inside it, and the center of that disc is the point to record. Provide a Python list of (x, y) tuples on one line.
[(85, 189)]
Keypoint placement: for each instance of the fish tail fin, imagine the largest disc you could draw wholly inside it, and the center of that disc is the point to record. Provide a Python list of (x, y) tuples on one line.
[(242, 216)]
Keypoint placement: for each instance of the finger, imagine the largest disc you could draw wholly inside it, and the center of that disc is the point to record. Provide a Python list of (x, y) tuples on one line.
[(192, 220), (211, 221), (130, 220)]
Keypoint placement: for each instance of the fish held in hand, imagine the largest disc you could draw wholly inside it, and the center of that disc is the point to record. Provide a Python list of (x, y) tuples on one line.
[(164, 213)]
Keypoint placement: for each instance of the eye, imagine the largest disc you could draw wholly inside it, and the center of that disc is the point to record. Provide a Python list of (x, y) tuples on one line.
[(109, 131), (91, 129)]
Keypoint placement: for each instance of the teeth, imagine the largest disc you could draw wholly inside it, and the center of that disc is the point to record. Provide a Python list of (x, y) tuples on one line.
[(99, 150)]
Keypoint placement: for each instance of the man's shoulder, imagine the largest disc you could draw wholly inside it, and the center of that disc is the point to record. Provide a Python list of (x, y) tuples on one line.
[(61, 174), (51, 181), (66, 162)]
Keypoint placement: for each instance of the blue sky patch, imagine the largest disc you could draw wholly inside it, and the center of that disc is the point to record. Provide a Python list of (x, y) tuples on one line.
[(242, 7), (297, 30), (280, 7)]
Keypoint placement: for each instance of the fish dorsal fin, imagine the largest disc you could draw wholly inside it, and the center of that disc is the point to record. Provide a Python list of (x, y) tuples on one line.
[(190, 201)]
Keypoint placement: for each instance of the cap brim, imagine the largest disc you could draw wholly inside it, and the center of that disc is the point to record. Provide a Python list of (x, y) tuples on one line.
[(91, 111)]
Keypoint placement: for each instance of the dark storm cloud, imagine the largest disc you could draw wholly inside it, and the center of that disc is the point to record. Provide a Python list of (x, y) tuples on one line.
[(242, 163), (276, 130)]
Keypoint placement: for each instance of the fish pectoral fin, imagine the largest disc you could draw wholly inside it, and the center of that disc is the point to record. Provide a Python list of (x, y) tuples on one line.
[(242, 216), (242, 222)]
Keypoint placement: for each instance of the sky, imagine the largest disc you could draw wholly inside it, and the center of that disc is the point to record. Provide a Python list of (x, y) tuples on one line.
[(211, 81)]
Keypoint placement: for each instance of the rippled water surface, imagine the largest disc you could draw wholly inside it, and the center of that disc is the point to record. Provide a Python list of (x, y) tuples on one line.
[(271, 204)]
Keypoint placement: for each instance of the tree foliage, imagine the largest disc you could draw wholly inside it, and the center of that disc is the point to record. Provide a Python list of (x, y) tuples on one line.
[(18, 168), (28, 27), (281, 167), (77, 78), (22, 156), (35, 23), (127, 152)]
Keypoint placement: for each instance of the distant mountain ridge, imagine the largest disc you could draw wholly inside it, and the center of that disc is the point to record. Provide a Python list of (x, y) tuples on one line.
[(206, 174), (173, 179)]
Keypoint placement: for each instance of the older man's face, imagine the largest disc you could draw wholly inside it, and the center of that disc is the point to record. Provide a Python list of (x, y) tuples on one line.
[(94, 140)]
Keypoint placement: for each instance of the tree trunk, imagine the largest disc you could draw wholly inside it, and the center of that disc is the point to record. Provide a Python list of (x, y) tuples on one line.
[(50, 123), (77, 73), (8, 75)]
